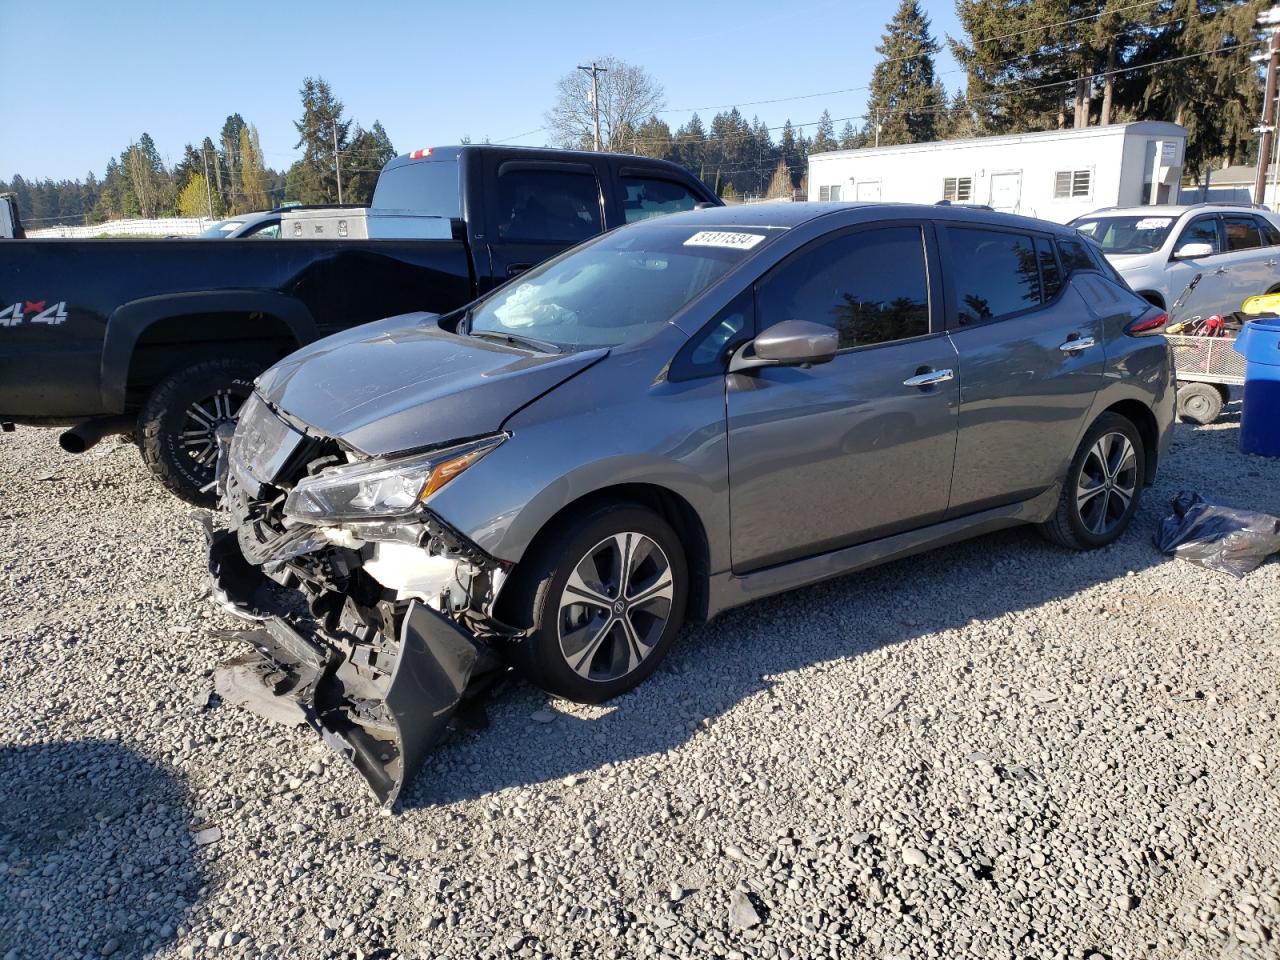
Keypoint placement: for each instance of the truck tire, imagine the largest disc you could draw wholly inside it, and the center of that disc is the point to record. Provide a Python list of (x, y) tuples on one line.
[(176, 425)]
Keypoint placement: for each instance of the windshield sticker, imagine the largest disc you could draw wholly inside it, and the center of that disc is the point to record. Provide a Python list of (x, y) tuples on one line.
[(1154, 223), (719, 238)]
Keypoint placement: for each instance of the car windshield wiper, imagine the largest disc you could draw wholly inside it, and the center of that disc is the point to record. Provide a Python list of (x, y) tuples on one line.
[(517, 340)]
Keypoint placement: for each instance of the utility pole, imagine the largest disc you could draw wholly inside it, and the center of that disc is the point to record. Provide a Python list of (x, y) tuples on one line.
[(208, 187), (595, 99), (337, 161), (1269, 20)]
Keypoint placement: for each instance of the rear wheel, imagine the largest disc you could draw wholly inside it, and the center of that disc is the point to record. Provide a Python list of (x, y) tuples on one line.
[(1102, 487), (1199, 402), (179, 420), (605, 597)]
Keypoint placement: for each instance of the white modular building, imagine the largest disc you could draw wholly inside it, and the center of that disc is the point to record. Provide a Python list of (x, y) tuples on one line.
[(1055, 175)]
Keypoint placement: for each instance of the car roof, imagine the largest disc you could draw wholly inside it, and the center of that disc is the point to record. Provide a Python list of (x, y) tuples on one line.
[(786, 215), (1175, 210)]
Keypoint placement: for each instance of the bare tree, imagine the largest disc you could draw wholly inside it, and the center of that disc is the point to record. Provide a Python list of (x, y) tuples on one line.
[(628, 97)]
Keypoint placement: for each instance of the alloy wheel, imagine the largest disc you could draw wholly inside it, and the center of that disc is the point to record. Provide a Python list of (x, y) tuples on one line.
[(1107, 483), (201, 421), (615, 606)]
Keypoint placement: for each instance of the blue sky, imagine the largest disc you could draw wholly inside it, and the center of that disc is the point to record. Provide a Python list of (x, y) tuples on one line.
[(99, 74)]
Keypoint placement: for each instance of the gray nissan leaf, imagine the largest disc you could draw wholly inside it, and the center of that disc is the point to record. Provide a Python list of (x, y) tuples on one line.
[(667, 421)]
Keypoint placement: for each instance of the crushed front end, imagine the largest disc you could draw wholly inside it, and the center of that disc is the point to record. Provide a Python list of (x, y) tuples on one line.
[(372, 617)]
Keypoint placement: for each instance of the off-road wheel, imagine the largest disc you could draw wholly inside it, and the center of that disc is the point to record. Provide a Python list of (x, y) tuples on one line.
[(605, 596), (1102, 487), (177, 424), (1199, 402)]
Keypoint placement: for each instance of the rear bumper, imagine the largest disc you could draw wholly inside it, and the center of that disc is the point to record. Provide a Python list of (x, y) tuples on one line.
[(380, 698)]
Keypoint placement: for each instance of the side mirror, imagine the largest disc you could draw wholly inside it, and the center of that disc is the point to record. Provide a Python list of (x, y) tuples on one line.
[(792, 343), (1192, 251)]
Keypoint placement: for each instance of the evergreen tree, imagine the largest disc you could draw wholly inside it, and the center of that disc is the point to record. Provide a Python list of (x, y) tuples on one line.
[(780, 186), (653, 139), (848, 138), (690, 143), (230, 139), (146, 177), (906, 98), (790, 153), (321, 116), (363, 161), (824, 138)]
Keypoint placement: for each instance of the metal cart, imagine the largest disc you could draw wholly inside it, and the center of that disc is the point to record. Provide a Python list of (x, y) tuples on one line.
[(1206, 367)]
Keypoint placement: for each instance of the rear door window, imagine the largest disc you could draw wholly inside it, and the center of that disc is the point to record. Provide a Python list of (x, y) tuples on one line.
[(1270, 235), (872, 286), (1050, 272), (645, 197), (995, 273), (1242, 232), (547, 206)]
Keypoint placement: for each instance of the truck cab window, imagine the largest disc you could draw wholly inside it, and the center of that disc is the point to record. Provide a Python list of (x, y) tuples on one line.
[(645, 197), (547, 206)]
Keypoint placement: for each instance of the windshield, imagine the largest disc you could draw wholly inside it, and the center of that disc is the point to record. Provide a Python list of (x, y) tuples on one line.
[(219, 230), (1143, 234), (619, 289)]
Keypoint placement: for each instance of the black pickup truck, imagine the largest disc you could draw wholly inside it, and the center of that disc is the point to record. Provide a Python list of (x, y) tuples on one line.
[(163, 338)]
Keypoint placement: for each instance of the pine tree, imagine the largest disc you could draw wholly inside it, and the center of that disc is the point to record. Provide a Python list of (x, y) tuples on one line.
[(321, 116), (690, 143), (145, 175), (780, 186), (230, 139), (824, 138), (363, 161), (906, 98), (848, 138)]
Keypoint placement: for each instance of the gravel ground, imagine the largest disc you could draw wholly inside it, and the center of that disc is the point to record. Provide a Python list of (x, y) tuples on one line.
[(999, 750)]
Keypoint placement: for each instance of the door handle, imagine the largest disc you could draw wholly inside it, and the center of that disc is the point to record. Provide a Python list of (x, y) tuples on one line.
[(517, 268), (1272, 262), (1221, 270), (929, 378), (1076, 344)]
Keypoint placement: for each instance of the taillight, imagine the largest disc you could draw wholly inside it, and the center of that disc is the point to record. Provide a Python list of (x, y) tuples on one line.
[(420, 154), (1147, 323)]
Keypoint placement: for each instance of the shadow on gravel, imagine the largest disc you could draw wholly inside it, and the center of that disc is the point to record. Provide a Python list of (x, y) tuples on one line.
[(96, 857), (716, 666)]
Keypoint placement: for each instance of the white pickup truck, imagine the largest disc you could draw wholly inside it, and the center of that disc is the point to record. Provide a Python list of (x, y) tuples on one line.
[(1235, 248)]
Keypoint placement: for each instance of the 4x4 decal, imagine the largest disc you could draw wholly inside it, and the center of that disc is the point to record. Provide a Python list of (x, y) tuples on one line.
[(15, 314)]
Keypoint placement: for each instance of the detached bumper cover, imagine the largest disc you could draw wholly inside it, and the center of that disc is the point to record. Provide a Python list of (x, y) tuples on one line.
[(382, 702)]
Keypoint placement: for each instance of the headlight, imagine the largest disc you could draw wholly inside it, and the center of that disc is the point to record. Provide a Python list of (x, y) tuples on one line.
[(381, 488)]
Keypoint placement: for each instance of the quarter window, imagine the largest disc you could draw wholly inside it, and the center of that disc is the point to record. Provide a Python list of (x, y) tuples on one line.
[(871, 286), (997, 274), (547, 206), (1049, 271), (1075, 257), (1201, 230), (1270, 235), (1069, 184), (957, 189), (1242, 232), (645, 197)]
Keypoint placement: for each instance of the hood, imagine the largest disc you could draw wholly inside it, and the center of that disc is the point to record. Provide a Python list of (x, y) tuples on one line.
[(404, 383)]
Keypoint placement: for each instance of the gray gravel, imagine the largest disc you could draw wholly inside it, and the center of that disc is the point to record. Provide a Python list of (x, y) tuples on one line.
[(996, 750)]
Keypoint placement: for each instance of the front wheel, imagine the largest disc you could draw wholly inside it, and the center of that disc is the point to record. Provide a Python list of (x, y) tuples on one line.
[(1102, 487), (604, 596), (178, 422)]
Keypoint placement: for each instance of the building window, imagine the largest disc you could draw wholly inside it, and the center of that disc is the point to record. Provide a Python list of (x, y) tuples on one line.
[(957, 189), (829, 193), (1068, 184)]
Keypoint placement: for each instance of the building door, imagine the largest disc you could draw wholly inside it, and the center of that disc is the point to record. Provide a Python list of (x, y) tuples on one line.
[(868, 190), (1006, 191)]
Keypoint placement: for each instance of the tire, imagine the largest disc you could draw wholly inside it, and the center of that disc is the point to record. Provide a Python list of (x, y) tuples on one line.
[(1199, 402), (542, 597), (1094, 521), (185, 464)]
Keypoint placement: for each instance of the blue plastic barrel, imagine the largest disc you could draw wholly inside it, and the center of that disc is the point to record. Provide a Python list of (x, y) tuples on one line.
[(1259, 344)]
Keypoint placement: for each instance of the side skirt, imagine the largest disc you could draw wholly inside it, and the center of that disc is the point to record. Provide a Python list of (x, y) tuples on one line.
[(728, 590)]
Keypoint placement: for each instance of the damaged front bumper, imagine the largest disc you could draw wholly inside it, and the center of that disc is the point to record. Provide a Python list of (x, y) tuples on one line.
[(374, 637), (381, 697)]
